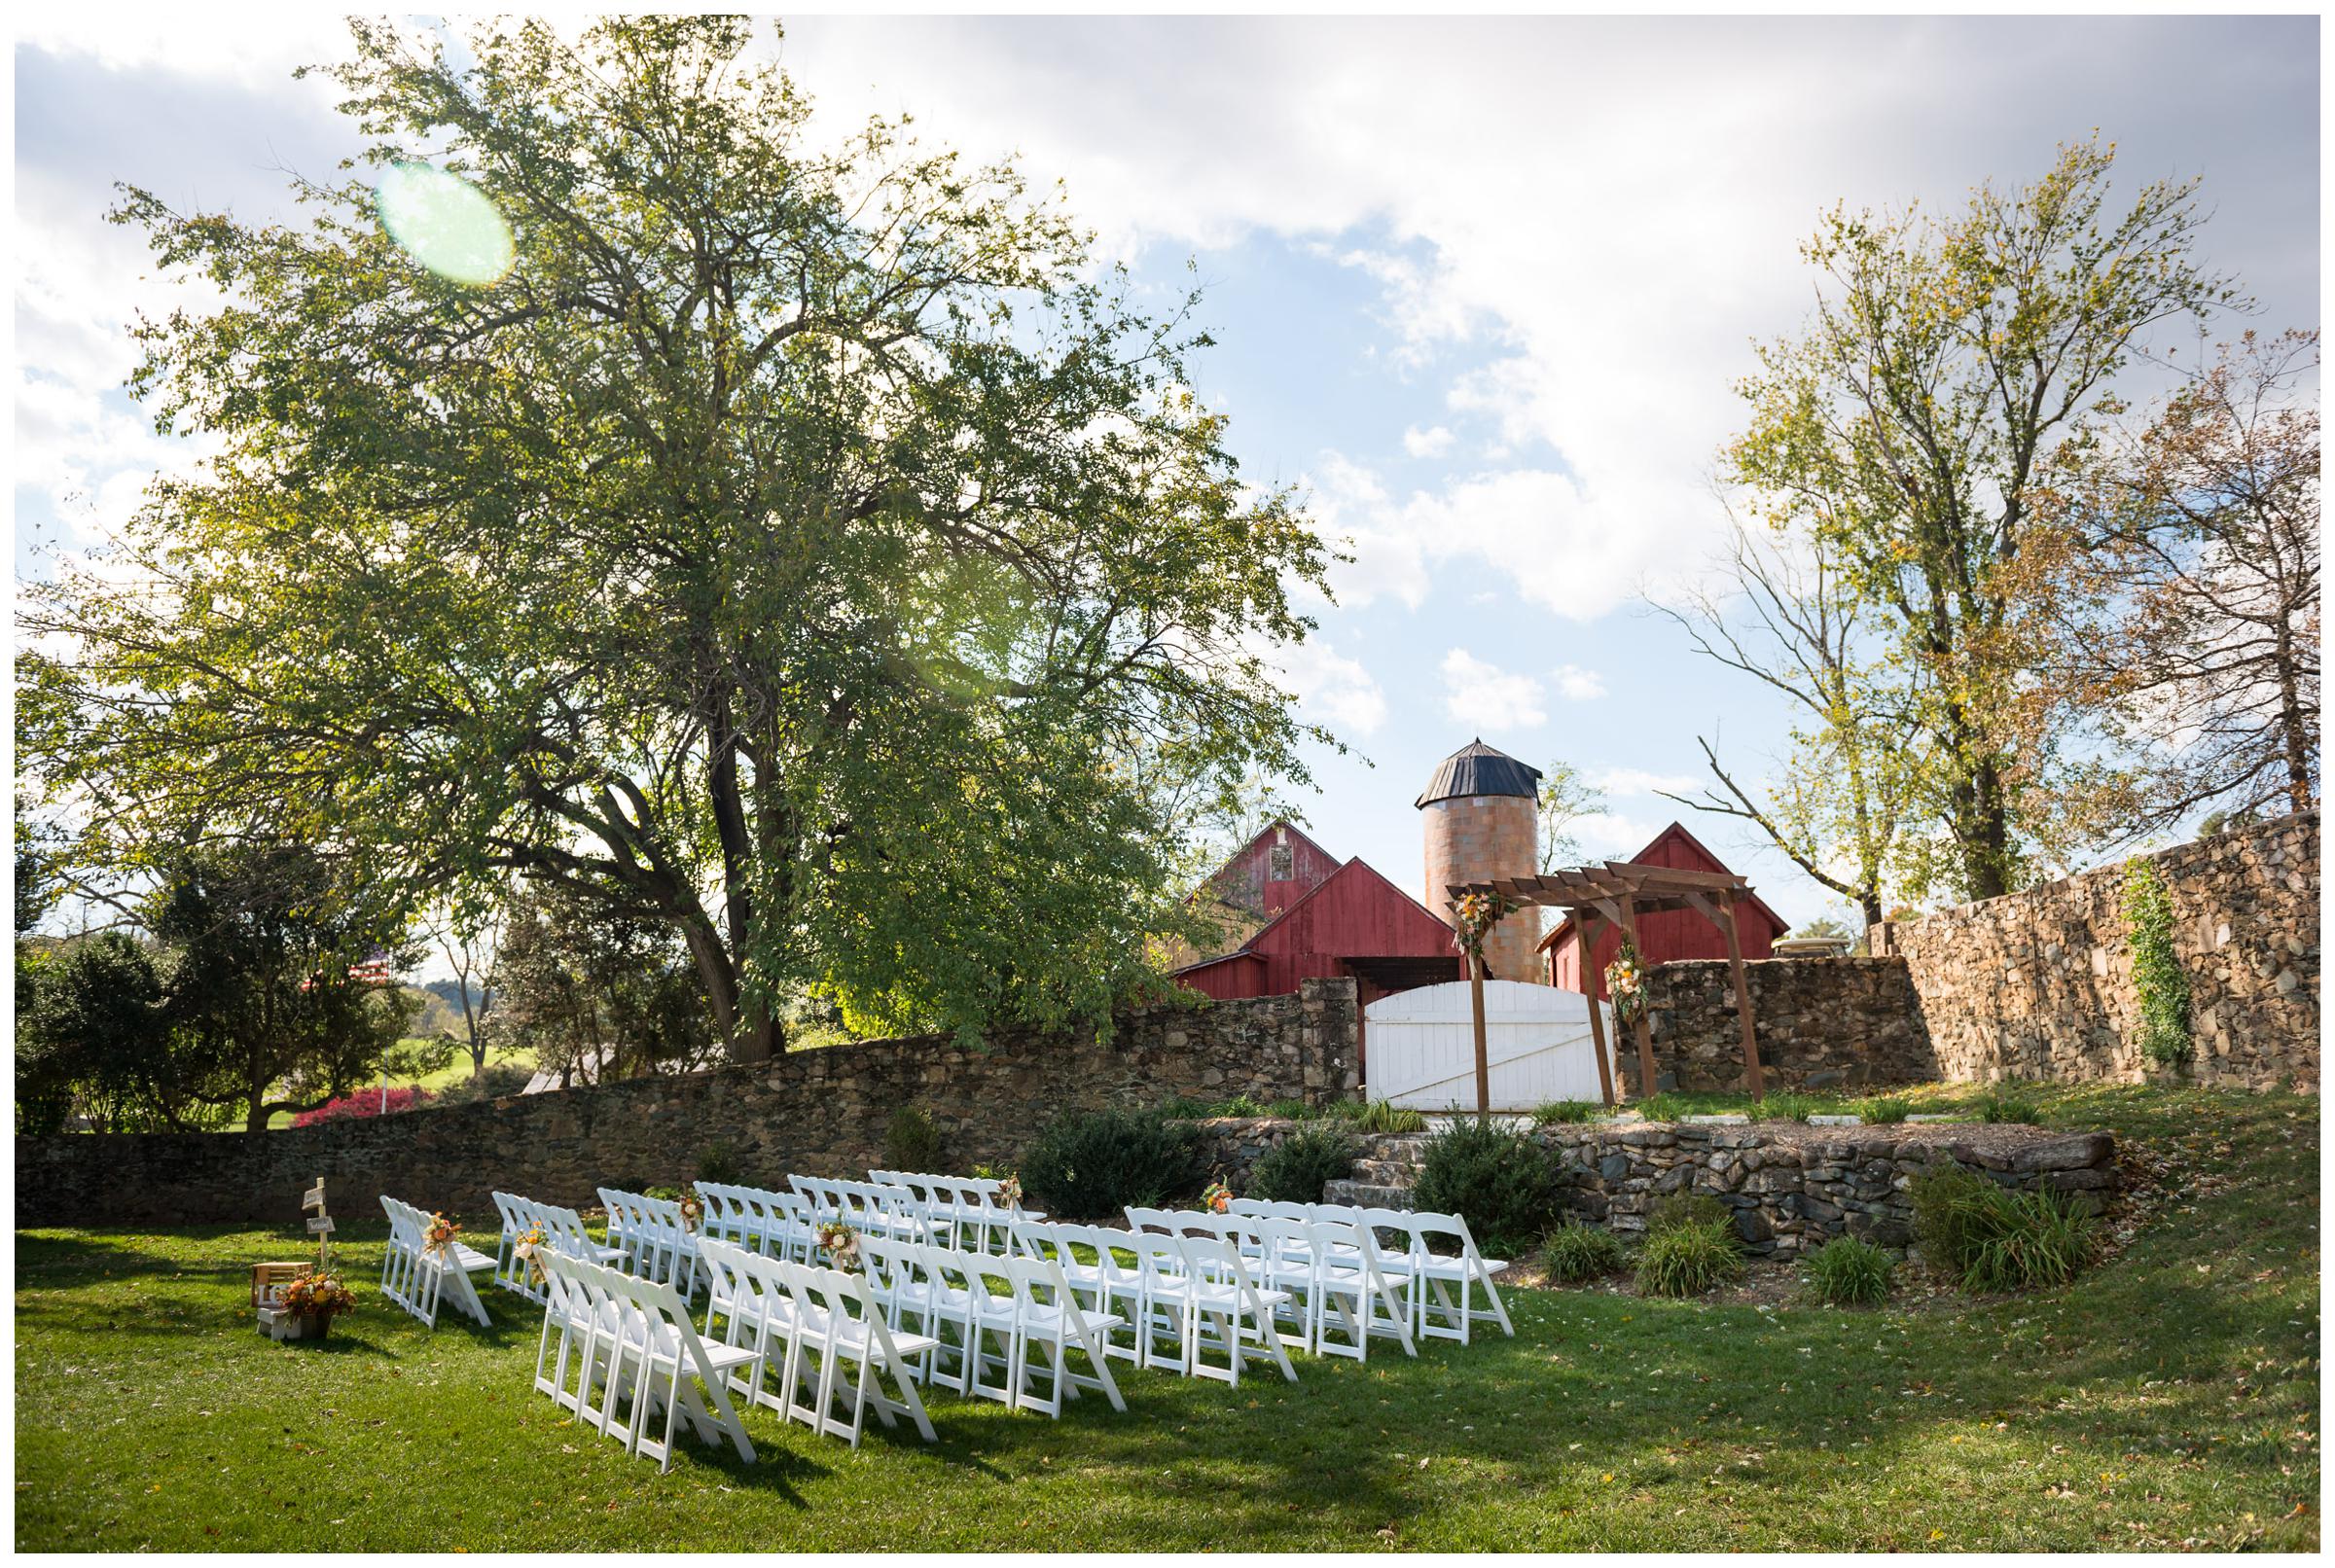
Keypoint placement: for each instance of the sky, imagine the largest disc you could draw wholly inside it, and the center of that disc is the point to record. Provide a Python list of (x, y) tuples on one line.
[(1480, 290)]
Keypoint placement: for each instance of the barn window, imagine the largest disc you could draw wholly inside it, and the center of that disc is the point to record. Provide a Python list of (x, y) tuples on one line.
[(1283, 863)]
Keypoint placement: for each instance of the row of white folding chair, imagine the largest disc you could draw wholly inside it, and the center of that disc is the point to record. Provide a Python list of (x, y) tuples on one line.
[(1192, 1295), (638, 1362), (654, 1242), (777, 1225), (967, 1207), (1018, 1317), (564, 1232), (1437, 1250), (1337, 1280), (808, 1324), (415, 1276), (868, 1208)]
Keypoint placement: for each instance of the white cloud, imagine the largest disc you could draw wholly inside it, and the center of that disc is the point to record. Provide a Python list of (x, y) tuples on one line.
[(1332, 688), (1430, 443), (1486, 697), (1577, 685), (1627, 781)]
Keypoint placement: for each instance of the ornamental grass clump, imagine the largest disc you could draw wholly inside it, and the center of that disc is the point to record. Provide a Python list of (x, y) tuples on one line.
[(1688, 1260), (1297, 1168), (2009, 1105), (1885, 1111), (1549, 1113), (1574, 1252), (1383, 1116), (1993, 1238), (1785, 1106), (1848, 1272), (1685, 1209), (1504, 1184)]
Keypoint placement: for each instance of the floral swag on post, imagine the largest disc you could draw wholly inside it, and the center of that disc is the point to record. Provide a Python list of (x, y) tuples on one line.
[(439, 1238), (1217, 1199), (693, 1210), (529, 1246), (1472, 918), (1626, 983)]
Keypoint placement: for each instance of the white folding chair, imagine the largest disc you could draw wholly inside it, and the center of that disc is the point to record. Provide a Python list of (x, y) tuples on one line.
[(1436, 1313), (1050, 1324), (1349, 1278), (415, 1276), (1230, 1311), (843, 1339)]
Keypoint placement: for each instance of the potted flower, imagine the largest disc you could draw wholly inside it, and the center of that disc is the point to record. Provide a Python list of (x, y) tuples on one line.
[(312, 1300)]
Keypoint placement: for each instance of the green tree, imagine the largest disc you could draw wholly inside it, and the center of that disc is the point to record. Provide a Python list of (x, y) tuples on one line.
[(263, 1012), (811, 552), (1948, 365), (596, 997), (1565, 797), (92, 1038)]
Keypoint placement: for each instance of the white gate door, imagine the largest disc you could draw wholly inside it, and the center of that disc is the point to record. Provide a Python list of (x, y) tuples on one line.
[(1419, 1045)]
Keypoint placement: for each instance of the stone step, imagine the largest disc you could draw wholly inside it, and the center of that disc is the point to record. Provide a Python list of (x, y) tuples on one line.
[(1367, 1195)]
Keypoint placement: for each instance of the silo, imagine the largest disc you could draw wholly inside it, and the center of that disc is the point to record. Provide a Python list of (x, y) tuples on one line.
[(1481, 822)]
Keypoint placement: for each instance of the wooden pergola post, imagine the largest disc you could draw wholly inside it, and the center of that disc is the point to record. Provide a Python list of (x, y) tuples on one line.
[(1639, 1026), (1743, 996), (1584, 932), (1475, 986)]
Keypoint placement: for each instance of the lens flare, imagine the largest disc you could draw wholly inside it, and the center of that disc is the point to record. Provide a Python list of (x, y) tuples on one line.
[(445, 223)]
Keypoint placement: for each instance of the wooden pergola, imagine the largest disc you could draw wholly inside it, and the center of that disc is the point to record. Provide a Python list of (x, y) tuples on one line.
[(1619, 891)]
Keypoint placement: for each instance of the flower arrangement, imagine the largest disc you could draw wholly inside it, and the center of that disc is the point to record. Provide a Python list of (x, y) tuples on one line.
[(318, 1296), (841, 1243), (530, 1247), (1217, 1199), (693, 1210), (1626, 983), (439, 1235), (1009, 1191), (1473, 918)]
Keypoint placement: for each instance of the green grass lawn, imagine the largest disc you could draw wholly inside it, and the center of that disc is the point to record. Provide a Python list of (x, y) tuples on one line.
[(2168, 1398)]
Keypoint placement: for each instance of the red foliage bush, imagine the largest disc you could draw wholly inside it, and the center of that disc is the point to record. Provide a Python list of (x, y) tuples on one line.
[(364, 1102)]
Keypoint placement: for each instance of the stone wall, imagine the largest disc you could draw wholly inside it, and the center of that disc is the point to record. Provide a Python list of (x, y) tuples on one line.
[(1823, 1024), (1794, 1187), (818, 1112), (2039, 984), (2035, 984)]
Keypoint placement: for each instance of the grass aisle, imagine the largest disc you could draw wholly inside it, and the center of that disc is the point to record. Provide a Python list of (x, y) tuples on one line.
[(2168, 1398)]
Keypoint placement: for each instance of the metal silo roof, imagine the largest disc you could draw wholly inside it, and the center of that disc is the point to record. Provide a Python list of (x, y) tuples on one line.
[(1476, 768)]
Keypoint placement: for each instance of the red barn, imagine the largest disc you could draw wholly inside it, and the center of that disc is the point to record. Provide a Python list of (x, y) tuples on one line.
[(1666, 934), (1323, 920)]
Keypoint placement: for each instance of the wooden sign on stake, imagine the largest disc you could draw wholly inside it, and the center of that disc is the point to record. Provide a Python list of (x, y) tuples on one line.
[(321, 1226)]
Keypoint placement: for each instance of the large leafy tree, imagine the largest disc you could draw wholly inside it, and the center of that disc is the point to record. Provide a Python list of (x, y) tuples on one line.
[(596, 998), (1949, 364), (808, 551)]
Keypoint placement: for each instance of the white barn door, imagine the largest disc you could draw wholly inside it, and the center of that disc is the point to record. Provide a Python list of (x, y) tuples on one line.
[(1420, 1047)]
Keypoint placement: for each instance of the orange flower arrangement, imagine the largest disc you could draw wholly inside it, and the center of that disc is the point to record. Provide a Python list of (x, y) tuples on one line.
[(314, 1295)]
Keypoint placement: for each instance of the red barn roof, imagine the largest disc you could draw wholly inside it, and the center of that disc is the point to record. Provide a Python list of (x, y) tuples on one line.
[(1671, 934), (1354, 922)]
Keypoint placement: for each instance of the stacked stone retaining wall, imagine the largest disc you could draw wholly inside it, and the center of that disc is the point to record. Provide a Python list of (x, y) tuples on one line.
[(819, 1113)]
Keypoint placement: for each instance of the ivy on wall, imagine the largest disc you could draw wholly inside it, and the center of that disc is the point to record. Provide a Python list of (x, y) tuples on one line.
[(2157, 976)]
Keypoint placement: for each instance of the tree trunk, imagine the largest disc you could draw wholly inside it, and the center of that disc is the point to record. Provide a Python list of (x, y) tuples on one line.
[(2291, 725)]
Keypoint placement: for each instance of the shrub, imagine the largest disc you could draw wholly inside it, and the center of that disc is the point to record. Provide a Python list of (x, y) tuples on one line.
[(1091, 1167), (1577, 1252), (1785, 1106), (1688, 1208), (911, 1142), (366, 1102), (1662, 1108), (1241, 1105), (1567, 1111), (1991, 1237), (1848, 1272), (1504, 1184), (719, 1162), (1383, 1116), (1688, 1260), (1292, 1111), (2009, 1105), (1295, 1169), (2157, 974), (1885, 1111), (500, 1080)]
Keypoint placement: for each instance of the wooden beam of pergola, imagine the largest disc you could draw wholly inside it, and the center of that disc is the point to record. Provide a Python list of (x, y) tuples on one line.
[(1619, 891)]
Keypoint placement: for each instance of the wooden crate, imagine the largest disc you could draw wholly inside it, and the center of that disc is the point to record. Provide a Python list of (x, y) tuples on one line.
[(266, 1279)]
